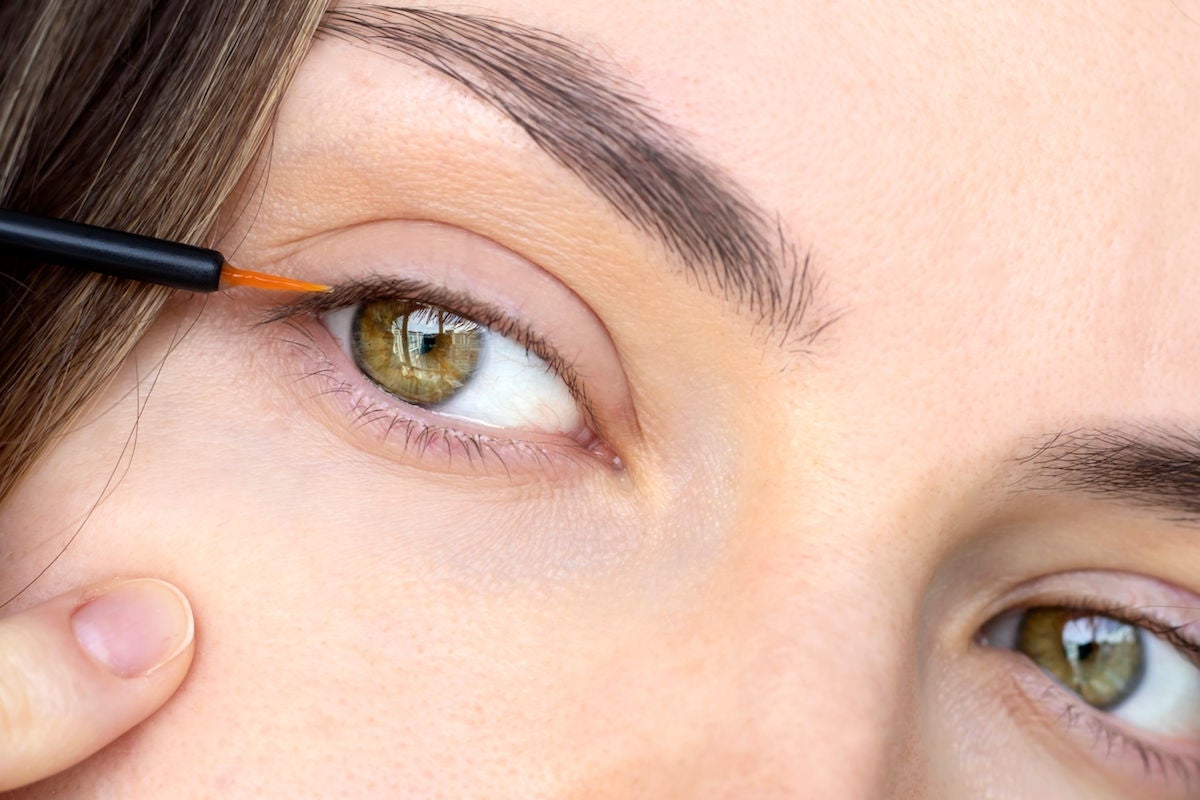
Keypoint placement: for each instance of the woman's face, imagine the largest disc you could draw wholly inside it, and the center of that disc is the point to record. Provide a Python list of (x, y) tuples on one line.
[(833, 434)]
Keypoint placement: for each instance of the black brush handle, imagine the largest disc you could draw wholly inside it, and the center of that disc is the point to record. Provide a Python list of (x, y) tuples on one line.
[(125, 255)]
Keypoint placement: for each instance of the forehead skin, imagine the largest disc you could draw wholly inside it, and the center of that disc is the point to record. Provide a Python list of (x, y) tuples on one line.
[(1000, 200)]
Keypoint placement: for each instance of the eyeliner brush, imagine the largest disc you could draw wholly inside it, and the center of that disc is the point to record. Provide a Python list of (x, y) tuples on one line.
[(128, 255)]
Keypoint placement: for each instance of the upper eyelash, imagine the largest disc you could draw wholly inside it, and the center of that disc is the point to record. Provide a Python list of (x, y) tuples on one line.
[(1135, 616), (386, 288)]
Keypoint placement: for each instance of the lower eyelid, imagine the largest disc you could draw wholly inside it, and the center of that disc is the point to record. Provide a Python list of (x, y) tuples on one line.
[(1142, 762)]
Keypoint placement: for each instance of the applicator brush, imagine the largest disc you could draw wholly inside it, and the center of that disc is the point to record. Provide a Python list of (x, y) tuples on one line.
[(128, 255)]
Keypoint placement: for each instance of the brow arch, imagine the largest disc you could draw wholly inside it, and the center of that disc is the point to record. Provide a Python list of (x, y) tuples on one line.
[(591, 121)]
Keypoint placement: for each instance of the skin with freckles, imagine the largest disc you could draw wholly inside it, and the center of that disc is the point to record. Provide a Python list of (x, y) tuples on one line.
[(780, 589)]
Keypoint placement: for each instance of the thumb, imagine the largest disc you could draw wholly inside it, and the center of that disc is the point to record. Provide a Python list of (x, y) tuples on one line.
[(78, 671)]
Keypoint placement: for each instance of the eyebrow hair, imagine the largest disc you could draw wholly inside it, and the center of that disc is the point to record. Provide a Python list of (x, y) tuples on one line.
[(1147, 466), (592, 122)]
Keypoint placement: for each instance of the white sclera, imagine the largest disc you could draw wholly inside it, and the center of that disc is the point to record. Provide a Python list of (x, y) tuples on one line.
[(510, 387), (1167, 699)]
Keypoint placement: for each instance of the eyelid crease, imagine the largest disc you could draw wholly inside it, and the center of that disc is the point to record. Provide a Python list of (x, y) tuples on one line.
[(382, 288)]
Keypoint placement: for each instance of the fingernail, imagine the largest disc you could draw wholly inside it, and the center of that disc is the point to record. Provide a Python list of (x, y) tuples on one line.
[(135, 627)]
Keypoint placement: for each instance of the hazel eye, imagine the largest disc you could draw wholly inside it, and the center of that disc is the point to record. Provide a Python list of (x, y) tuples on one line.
[(1099, 658), (1113, 665), (422, 354), (434, 358)]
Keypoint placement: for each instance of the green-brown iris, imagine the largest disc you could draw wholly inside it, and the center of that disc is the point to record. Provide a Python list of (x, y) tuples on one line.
[(1097, 657), (420, 353)]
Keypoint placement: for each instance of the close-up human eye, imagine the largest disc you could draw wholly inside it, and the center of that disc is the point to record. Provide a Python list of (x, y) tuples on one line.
[(1127, 669), (1123, 681), (436, 359), (452, 352)]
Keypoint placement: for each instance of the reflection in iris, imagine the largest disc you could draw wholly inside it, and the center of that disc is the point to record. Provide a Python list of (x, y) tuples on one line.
[(420, 353)]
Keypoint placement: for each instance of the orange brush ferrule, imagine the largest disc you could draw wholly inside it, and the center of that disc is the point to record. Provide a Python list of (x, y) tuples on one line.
[(232, 276)]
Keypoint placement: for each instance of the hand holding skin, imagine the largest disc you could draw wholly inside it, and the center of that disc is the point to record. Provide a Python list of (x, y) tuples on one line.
[(83, 668)]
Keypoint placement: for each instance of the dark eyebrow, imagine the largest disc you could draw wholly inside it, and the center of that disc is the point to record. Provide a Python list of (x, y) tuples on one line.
[(1150, 466), (592, 122)]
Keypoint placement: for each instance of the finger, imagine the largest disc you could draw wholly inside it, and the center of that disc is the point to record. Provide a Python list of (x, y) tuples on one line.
[(80, 670)]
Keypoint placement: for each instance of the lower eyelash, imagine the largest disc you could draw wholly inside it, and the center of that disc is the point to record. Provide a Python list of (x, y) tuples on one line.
[(1156, 764), (417, 439)]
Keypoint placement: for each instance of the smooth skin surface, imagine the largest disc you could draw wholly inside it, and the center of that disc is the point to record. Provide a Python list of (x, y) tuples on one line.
[(782, 593)]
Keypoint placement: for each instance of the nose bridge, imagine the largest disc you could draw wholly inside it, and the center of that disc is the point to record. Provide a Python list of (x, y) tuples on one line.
[(828, 675)]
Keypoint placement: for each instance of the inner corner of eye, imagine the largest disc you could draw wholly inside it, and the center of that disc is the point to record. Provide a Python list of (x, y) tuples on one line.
[(339, 322), (1001, 630)]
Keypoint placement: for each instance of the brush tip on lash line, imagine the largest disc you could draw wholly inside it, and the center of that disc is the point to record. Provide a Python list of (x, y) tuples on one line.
[(232, 276)]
